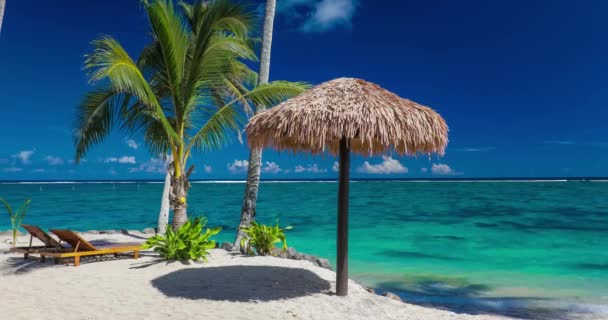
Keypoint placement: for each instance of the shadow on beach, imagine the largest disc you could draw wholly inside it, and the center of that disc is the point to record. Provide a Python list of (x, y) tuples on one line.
[(470, 299), (240, 283), (17, 265)]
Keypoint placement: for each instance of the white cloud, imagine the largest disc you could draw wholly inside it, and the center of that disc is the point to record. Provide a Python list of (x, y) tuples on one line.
[(329, 14), (335, 167), (271, 167), (122, 160), (12, 169), (132, 144), (319, 15), (39, 170), (207, 168), (441, 169), (154, 165), (54, 161), (24, 156), (387, 166), (424, 170), (314, 168), (238, 166)]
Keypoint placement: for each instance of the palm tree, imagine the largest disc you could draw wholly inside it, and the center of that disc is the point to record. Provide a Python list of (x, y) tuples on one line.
[(2, 5), (187, 91), (255, 155)]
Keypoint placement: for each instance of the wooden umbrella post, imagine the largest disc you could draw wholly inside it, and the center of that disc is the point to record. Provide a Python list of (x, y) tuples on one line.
[(342, 258), (318, 119)]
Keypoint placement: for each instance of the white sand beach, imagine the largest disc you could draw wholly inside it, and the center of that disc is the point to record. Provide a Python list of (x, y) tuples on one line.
[(228, 286)]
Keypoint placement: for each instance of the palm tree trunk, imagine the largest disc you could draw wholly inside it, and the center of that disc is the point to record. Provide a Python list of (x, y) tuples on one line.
[(163, 216), (177, 196), (2, 5), (255, 156)]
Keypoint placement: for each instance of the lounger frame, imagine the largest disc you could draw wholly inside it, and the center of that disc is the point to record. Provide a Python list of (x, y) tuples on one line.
[(50, 244), (81, 247)]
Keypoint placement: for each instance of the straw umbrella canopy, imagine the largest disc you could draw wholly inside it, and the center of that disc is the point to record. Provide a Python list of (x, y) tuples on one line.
[(348, 115)]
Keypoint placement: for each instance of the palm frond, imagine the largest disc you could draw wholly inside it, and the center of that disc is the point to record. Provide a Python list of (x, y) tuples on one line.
[(95, 117), (155, 139), (217, 129), (172, 38), (272, 93), (110, 60), (233, 89), (219, 38)]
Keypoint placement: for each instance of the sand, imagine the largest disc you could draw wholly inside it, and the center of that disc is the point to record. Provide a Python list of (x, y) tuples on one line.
[(228, 286)]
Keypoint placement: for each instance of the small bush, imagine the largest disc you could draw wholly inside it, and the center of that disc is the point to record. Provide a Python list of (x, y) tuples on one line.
[(16, 216), (262, 238), (187, 243)]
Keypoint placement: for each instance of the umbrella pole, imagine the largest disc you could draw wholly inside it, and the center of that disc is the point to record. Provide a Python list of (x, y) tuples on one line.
[(342, 259)]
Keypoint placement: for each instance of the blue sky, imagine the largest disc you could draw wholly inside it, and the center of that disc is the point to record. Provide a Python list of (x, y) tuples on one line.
[(522, 84)]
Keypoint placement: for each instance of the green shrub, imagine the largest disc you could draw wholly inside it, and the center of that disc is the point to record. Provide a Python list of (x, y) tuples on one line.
[(16, 217), (187, 243), (263, 237)]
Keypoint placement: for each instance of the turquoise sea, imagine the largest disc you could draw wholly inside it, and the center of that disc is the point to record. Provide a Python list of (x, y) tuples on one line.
[(528, 249)]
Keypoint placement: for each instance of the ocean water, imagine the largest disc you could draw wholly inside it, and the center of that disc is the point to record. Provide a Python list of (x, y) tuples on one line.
[(529, 249)]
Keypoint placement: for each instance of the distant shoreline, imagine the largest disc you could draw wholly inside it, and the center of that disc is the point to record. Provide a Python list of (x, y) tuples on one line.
[(320, 180)]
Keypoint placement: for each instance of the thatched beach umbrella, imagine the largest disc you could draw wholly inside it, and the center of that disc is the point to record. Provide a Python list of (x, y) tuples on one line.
[(345, 115)]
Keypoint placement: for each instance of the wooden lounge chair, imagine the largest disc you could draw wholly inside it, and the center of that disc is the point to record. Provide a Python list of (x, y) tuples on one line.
[(81, 247), (50, 244)]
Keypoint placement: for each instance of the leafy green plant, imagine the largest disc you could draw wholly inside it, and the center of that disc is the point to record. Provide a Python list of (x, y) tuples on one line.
[(188, 242), (16, 216), (262, 238)]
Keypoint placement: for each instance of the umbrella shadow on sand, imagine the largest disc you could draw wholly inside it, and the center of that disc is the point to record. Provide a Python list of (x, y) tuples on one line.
[(241, 283)]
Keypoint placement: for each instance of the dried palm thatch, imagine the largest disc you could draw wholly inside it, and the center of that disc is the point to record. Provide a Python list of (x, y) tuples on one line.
[(373, 121)]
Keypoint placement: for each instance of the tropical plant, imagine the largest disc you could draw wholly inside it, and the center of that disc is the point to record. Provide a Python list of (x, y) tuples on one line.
[(254, 167), (188, 91), (16, 216), (263, 238), (189, 242)]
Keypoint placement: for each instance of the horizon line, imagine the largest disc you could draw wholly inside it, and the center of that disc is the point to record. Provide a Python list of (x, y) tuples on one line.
[(455, 179)]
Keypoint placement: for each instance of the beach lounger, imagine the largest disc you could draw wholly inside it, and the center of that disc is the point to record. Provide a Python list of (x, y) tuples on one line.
[(50, 244), (81, 247)]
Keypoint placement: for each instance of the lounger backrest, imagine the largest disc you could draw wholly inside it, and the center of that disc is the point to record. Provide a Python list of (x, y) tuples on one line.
[(38, 233), (74, 240)]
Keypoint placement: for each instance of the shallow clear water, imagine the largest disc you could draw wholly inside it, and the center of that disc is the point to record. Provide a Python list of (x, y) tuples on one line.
[(521, 248)]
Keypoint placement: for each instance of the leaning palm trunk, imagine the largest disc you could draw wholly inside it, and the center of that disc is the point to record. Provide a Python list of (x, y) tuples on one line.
[(255, 155), (163, 216), (2, 5)]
